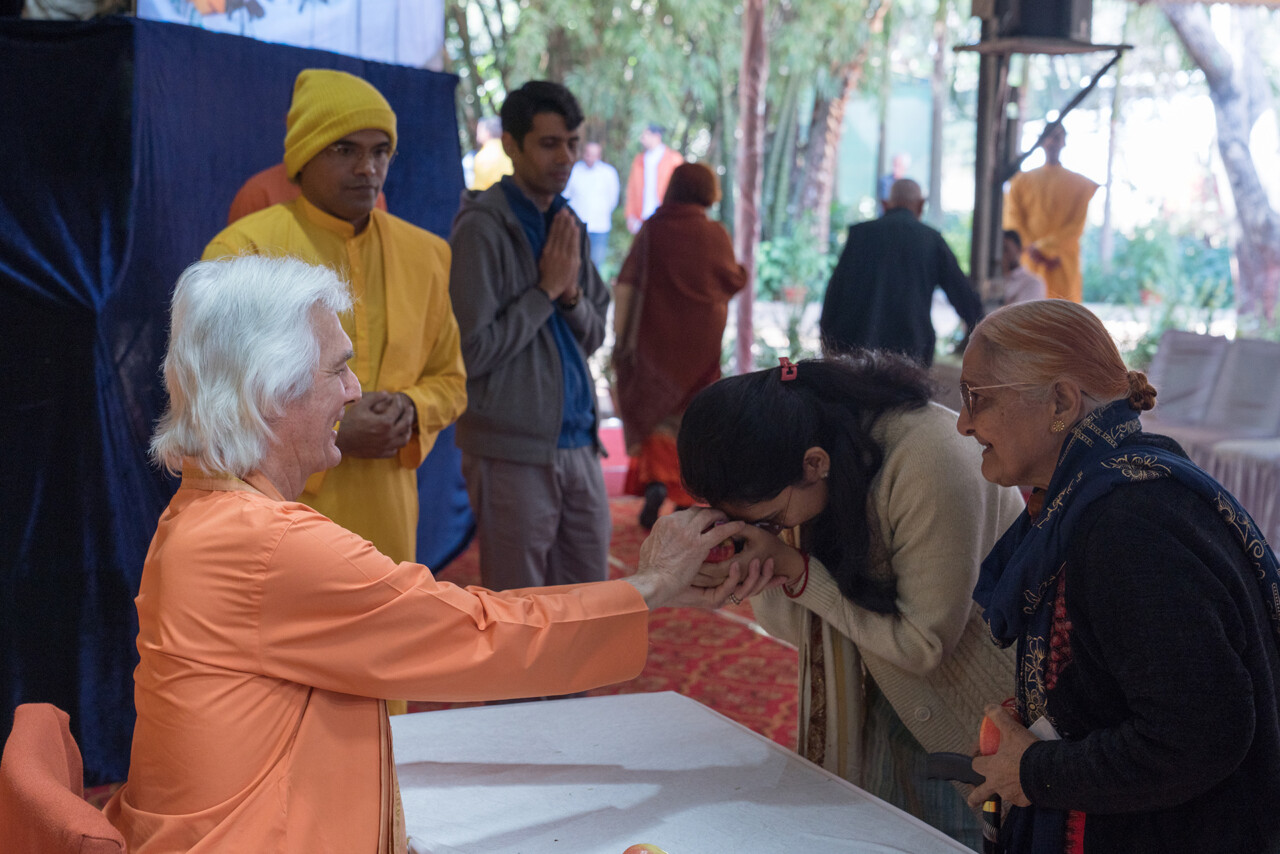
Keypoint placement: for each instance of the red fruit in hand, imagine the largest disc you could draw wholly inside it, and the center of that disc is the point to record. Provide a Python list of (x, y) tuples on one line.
[(724, 551), (988, 737)]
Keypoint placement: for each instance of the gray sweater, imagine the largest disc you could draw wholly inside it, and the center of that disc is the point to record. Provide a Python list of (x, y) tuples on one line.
[(515, 389)]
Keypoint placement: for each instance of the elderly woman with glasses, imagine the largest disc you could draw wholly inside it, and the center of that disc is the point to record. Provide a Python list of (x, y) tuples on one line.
[(1142, 601), (871, 506)]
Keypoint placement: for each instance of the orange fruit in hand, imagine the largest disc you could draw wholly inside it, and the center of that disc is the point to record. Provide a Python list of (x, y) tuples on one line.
[(988, 737)]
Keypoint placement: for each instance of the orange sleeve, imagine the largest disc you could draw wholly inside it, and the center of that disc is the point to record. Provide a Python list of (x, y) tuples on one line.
[(337, 614)]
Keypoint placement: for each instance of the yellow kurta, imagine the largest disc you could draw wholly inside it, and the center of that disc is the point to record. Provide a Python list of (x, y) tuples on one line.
[(490, 165), (405, 339), (1047, 207), (265, 635)]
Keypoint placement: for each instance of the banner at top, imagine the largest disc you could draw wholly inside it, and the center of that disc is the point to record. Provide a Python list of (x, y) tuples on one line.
[(404, 32)]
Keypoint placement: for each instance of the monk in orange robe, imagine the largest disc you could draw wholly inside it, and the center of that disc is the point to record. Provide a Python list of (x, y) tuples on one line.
[(267, 631), (1047, 207)]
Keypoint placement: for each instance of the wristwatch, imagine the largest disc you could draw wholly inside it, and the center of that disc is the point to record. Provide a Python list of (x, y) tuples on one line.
[(571, 304)]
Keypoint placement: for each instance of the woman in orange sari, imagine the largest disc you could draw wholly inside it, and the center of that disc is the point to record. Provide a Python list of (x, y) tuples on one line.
[(671, 302)]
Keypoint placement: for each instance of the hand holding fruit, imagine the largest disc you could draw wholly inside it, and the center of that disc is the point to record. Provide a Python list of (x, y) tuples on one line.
[(751, 544), (1007, 740)]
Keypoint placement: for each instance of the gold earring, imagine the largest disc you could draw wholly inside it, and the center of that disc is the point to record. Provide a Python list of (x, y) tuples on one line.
[(1057, 426)]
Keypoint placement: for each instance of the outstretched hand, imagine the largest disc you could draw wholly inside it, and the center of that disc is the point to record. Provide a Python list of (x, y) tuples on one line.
[(1002, 768), (672, 554)]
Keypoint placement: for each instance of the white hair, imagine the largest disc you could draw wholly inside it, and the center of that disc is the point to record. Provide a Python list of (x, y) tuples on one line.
[(241, 345)]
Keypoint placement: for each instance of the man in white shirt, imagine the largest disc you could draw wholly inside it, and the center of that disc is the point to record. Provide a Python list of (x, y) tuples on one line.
[(1020, 284), (593, 192)]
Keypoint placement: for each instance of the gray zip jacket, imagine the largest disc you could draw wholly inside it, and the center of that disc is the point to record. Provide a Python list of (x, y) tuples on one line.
[(515, 386)]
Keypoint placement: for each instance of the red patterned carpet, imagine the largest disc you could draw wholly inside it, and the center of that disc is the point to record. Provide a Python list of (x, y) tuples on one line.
[(716, 658)]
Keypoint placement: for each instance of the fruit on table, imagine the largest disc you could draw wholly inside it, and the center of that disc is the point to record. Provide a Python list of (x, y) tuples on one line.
[(644, 848)]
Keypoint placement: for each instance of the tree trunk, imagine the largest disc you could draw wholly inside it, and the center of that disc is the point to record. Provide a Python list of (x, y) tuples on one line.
[(938, 101), (1258, 248), (750, 165), (824, 138), (1106, 235), (777, 174)]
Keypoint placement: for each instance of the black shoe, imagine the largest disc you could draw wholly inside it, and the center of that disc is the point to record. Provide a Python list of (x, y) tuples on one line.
[(654, 495)]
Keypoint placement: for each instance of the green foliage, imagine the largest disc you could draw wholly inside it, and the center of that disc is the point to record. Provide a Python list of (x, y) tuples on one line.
[(957, 230), (792, 268), (1155, 265), (1182, 278)]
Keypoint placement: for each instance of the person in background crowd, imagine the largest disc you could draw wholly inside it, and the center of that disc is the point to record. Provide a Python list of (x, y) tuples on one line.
[(1142, 601), (672, 304), (490, 162), (1019, 283), (593, 193), (1047, 207), (880, 295), (650, 173)]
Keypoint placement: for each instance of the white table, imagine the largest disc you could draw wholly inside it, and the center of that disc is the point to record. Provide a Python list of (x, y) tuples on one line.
[(599, 774)]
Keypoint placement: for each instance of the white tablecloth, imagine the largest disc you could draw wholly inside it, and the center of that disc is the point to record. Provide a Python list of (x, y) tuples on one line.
[(599, 774)]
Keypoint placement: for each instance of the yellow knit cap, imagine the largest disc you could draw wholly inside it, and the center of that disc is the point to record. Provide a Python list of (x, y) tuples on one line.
[(328, 105)]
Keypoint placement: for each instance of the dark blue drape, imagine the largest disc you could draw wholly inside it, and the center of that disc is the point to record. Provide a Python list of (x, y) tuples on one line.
[(124, 142)]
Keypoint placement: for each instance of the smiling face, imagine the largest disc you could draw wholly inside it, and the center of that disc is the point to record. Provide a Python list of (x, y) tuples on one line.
[(541, 163), (344, 179), (305, 434), (1019, 448)]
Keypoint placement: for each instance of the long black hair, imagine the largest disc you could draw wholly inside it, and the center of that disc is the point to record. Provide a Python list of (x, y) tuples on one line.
[(742, 440)]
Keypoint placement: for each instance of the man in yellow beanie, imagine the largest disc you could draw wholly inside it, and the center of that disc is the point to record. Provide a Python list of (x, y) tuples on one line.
[(340, 141)]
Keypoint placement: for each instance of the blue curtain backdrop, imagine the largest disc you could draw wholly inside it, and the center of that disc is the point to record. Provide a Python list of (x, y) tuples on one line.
[(123, 144)]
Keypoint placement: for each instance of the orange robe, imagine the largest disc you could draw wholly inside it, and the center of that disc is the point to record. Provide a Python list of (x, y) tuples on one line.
[(1047, 207), (270, 187), (265, 632), (684, 273), (634, 206)]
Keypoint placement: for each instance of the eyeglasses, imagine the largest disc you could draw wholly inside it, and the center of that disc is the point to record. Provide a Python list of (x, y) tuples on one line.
[(351, 154), (966, 392), (771, 525)]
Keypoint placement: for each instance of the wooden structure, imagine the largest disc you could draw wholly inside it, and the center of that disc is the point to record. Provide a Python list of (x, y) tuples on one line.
[(998, 155)]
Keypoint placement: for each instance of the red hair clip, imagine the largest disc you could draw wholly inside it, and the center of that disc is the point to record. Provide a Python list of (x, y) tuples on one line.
[(788, 369)]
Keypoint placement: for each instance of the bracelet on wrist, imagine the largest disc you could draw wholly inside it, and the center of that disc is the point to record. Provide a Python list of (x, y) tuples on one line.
[(795, 588)]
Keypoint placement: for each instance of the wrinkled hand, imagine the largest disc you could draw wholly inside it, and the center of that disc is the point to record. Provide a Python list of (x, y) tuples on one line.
[(561, 258), (377, 425), (672, 554), (760, 546), (1002, 768)]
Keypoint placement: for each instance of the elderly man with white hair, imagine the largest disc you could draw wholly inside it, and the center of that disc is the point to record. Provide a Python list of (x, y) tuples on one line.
[(267, 631)]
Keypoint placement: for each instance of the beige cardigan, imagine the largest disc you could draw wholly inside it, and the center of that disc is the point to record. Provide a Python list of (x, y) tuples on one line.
[(934, 661)]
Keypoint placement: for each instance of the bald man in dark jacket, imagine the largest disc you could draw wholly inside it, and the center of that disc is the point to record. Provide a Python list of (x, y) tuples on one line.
[(881, 292)]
